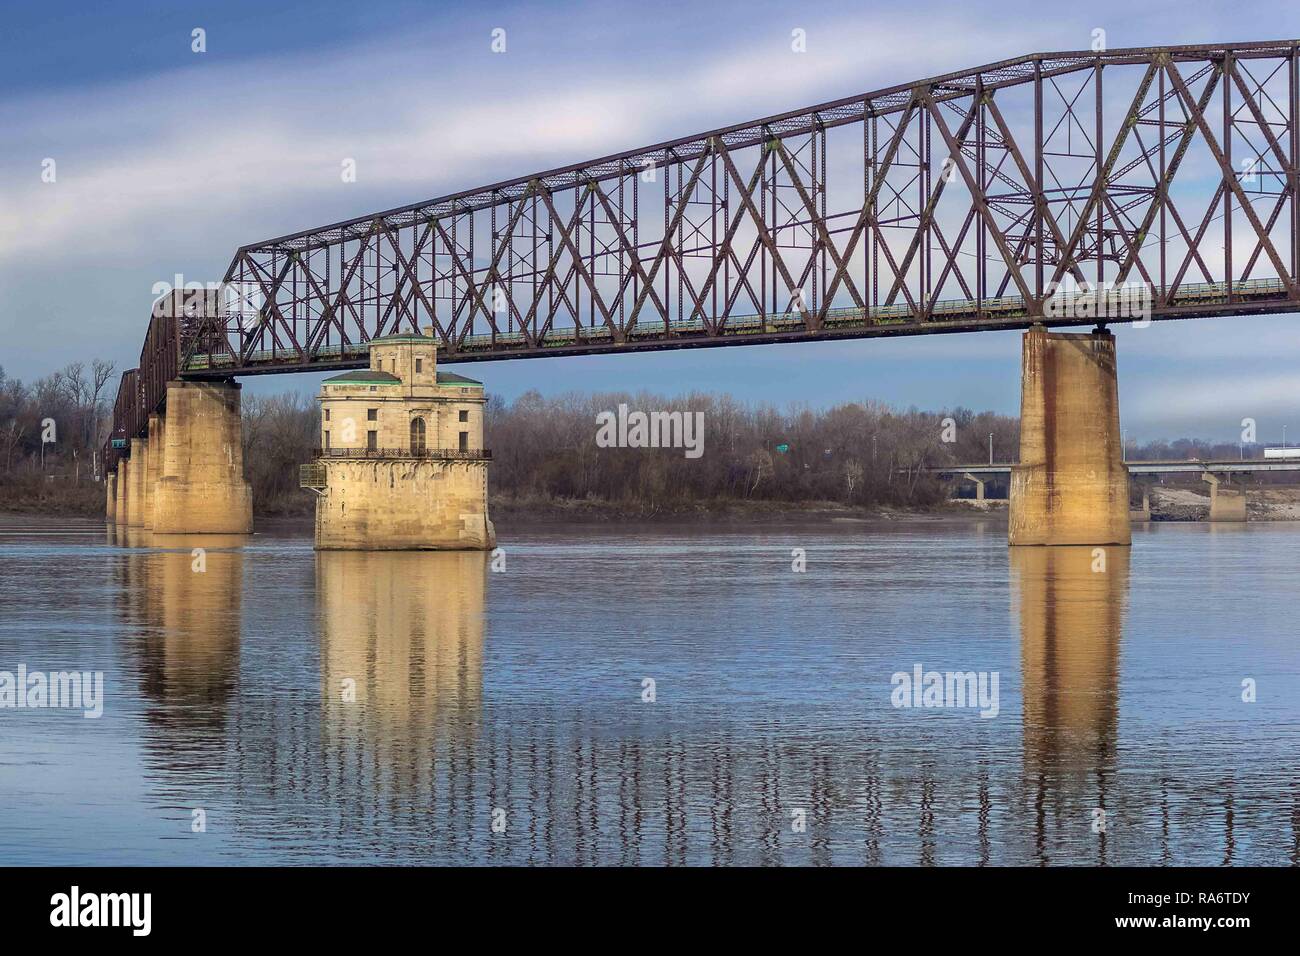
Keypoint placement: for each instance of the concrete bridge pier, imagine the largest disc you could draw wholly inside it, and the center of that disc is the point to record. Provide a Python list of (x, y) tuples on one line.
[(110, 497), (1226, 503), (145, 521), (200, 488), (153, 467), (1071, 486), (135, 484), (982, 499), (123, 482), (979, 485)]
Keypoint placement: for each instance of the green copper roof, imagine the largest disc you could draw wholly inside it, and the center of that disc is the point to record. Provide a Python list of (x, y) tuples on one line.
[(405, 337), (370, 376), (451, 378), (365, 375)]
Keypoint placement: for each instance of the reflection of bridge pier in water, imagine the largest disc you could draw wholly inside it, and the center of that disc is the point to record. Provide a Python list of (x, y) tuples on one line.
[(186, 607), (1071, 620), (1071, 608)]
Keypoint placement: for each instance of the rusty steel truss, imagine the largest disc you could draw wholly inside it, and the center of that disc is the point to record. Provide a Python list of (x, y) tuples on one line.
[(955, 203)]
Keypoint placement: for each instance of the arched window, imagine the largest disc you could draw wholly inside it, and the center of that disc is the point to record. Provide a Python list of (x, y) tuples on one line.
[(417, 435)]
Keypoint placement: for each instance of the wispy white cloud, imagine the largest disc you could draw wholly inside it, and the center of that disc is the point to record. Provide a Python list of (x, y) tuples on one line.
[(151, 156)]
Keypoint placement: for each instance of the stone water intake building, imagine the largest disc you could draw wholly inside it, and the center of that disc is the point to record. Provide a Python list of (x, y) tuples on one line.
[(401, 464)]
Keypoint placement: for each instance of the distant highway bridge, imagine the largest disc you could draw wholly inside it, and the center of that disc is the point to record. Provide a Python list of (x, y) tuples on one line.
[(1189, 466), (1226, 503)]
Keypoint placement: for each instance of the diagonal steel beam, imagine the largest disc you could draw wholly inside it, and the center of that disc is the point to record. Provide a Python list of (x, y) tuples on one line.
[(1103, 175), (1161, 197), (823, 234), (977, 196), (1230, 180), (927, 213), (633, 259), (764, 236), (868, 212), (1042, 212), (663, 254), (566, 239)]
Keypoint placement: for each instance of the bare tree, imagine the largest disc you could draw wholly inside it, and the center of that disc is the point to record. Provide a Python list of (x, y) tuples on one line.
[(100, 372), (11, 435)]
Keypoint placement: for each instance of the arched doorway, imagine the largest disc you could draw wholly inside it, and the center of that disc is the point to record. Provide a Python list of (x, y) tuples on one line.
[(417, 436)]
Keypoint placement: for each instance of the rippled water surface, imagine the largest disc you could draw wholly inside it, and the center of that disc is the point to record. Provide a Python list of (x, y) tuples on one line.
[(367, 707)]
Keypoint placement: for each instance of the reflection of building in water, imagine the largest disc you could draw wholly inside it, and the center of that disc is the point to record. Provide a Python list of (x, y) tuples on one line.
[(401, 633), (1072, 603)]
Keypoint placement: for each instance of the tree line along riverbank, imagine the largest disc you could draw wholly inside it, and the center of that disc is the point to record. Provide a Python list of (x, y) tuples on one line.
[(552, 454)]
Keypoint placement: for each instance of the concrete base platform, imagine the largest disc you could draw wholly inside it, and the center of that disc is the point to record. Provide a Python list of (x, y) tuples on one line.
[(404, 504)]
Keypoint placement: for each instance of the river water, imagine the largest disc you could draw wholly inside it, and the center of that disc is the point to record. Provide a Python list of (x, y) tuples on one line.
[(656, 695)]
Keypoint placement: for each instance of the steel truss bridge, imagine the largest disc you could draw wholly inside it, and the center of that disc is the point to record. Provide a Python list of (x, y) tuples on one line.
[(968, 201)]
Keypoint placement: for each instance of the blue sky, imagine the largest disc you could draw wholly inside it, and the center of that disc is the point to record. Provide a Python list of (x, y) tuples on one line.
[(170, 160)]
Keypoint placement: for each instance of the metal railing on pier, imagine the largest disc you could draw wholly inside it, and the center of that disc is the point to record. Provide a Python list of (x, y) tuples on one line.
[(436, 454)]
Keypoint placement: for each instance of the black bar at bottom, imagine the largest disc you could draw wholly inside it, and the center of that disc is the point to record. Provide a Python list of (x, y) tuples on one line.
[(300, 905)]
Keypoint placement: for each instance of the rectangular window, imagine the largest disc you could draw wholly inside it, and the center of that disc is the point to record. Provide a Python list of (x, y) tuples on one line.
[(464, 415), (372, 440), (464, 441), (419, 366), (372, 414), (327, 414), (327, 441)]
